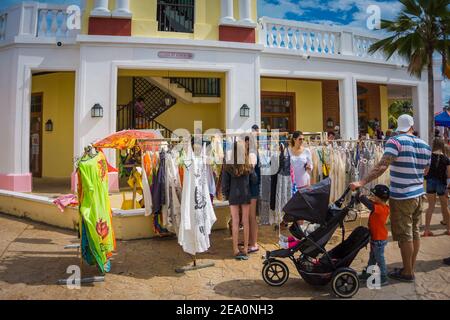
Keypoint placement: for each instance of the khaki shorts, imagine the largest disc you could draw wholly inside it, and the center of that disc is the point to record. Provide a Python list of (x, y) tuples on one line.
[(406, 217)]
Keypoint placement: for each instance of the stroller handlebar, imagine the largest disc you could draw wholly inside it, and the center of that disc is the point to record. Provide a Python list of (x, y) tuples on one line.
[(339, 202)]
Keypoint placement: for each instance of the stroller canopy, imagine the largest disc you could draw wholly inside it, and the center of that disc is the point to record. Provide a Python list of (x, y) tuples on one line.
[(310, 204)]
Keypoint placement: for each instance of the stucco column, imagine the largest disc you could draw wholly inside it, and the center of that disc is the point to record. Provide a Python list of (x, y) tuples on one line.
[(122, 9), (245, 11), (420, 109), (438, 78), (101, 9), (227, 14), (348, 108)]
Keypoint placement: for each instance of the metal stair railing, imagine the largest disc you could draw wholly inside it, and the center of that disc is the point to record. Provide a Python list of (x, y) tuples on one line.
[(199, 87)]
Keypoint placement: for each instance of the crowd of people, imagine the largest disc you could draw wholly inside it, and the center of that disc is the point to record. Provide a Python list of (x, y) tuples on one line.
[(411, 162)]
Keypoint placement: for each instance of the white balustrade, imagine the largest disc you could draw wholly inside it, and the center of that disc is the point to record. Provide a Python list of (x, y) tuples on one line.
[(307, 38), (361, 49), (301, 39), (3, 18), (53, 23)]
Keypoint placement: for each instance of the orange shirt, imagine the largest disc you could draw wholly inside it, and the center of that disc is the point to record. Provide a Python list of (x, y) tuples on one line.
[(377, 222)]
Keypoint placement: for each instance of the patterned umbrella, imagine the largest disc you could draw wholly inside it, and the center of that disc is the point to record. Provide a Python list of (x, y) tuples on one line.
[(127, 139)]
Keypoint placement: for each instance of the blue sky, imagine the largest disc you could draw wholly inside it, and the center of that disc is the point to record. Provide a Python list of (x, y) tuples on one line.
[(349, 13)]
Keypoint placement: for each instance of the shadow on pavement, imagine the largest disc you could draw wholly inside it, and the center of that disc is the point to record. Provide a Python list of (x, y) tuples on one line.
[(253, 289)]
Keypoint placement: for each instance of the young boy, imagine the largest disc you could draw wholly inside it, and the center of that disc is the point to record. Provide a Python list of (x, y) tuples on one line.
[(379, 213)]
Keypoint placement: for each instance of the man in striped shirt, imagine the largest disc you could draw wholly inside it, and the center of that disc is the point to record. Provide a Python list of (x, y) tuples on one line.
[(409, 159)]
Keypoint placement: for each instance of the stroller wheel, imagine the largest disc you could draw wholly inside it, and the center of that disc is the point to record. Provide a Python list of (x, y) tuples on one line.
[(275, 273), (345, 283)]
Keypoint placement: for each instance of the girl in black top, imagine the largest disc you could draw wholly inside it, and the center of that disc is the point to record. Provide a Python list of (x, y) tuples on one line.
[(436, 178), (236, 189)]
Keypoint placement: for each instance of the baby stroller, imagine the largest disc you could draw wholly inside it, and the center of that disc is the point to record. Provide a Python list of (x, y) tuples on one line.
[(315, 265)]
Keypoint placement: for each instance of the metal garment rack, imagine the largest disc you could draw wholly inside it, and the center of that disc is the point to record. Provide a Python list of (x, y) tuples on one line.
[(195, 265)]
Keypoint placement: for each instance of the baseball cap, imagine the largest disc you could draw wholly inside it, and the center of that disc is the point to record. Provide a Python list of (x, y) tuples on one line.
[(381, 191), (404, 123)]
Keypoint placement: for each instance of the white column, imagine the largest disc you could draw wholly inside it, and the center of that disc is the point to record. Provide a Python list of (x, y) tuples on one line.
[(122, 9), (420, 109), (101, 9), (245, 11), (227, 14), (348, 108), (438, 78)]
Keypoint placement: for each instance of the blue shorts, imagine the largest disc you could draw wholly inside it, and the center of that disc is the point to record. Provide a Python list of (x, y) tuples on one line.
[(435, 186)]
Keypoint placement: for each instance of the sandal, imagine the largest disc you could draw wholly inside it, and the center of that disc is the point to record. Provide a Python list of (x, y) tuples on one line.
[(241, 256), (397, 275), (443, 223), (253, 249), (428, 234)]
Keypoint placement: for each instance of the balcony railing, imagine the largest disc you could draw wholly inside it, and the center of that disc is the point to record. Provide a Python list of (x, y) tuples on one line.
[(35, 20), (52, 23), (299, 37), (306, 38)]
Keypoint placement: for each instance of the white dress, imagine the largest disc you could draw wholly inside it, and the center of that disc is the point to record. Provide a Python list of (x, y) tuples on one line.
[(298, 163), (197, 213)]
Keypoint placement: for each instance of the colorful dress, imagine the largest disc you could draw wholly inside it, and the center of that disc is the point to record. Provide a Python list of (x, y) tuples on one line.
[(97, 234)]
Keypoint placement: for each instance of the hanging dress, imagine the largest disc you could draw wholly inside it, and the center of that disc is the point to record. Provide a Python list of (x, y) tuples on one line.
[(283, 186), (197, 213), (97, 234), (264, 202), (173, 195)]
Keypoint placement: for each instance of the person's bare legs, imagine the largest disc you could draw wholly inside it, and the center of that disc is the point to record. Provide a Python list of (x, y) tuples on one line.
[(253, 237), (245, 222), (235, 228), (416, 245), (407, 252), (431, 205), (444, 209)]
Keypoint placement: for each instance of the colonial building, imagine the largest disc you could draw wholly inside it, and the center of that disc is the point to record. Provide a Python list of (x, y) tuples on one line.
[(180, 61)]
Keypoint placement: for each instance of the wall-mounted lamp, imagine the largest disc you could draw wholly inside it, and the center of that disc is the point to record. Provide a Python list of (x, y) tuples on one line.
[(168, 100), (330, 123), (97, 111), (49, 125), (245, 111)]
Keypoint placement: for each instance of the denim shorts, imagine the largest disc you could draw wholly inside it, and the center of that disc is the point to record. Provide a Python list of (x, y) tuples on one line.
[(435, 186)]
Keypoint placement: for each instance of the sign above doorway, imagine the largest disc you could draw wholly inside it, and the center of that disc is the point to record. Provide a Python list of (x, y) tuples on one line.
[(175, 55)]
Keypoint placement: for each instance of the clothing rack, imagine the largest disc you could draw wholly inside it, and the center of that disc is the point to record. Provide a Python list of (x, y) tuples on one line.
[(195, 265)]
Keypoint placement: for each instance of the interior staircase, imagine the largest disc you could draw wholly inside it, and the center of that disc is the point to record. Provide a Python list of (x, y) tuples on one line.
[(154, 105), (154, 90), (190, 90)]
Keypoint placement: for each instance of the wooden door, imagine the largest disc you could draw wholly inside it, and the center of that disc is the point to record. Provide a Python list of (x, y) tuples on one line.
[(36, 124)]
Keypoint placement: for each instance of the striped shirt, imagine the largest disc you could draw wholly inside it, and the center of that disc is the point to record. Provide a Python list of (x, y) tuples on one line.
[(412, 156)]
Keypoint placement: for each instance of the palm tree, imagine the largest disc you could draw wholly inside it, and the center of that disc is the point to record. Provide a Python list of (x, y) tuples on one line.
[(420, 30), (396, 109)]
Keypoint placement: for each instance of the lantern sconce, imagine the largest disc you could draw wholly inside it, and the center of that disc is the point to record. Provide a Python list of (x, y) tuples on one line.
[(168, 100), (49, 125), (330, 123), (97, 111), (245, 111)]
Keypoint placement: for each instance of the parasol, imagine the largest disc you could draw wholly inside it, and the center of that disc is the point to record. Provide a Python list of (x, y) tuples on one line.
[(126, 139)]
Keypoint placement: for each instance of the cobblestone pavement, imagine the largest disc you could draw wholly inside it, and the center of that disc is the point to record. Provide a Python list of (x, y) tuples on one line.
[(33, 258)]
